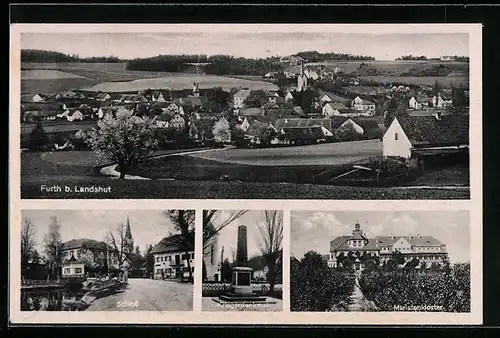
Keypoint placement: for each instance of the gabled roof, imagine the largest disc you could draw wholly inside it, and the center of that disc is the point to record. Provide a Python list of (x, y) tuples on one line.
[(242, 93), (336, 98), (167, 115), (250, 111), (348, 111), (173, 243), (415, 240), (336, 105), (428, 130), (303, 122), (366, 124), (194, 101), (304, 133), (84, 243), (257, 129), (337, 121)]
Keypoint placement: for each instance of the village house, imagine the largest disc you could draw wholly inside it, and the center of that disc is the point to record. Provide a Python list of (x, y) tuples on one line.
[(168, 119), (240, 97), (357, 249), (365, 106), (77, 251), (410, 136), (333, 109), (305, 135), (260, 269), (103, 97), (259, 131), (73, 268), (325, 124), (39, 98), (242, 113), (171, 256), (330, 97)]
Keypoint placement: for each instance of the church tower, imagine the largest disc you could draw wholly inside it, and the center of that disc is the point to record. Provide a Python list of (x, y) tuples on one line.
[(196, 90), (302, 78), (357, 229)]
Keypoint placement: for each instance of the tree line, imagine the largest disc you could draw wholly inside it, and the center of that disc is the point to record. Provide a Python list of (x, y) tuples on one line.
[(315, 56), (45, 56), (215, 64)]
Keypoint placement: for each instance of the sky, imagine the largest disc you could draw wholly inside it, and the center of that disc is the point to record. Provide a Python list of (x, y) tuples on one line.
[(251, 45), (313, 230), (228, 236), (147, 226)]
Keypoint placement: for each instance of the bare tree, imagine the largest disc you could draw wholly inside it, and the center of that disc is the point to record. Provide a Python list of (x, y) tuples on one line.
[(120, 244), (213, 223), (272, 237), (53, 247), (27, 245), (184, 223)]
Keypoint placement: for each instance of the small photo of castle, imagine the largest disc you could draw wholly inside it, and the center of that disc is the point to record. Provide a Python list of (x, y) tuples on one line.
[(242, 260), (380, 261), (107, 260)]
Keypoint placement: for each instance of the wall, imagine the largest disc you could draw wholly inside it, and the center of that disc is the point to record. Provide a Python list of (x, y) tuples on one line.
[(391, 146)]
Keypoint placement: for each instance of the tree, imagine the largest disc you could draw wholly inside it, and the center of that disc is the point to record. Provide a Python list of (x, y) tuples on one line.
[(125, 139), (183, 221), (309, 100), (226, 270), (120, 244), (435, 89), (53, 247), (272, 237), (28, 249), (257, 98), (238, 137), (150, 260), (217, 100), (393, 109), (222, 131), (216, 220), (38, 138)]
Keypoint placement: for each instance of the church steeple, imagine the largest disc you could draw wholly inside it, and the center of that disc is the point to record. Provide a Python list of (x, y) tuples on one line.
[(357, 229)]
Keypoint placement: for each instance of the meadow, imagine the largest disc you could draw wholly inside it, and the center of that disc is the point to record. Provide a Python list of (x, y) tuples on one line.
[(391, 66), (443, 81), (114, 77)]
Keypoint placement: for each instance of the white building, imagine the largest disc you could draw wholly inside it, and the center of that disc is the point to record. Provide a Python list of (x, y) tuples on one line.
[(240, 97), (212, 258), (173, 258)]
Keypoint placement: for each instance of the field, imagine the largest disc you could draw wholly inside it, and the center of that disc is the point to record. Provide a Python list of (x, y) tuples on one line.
[(47, 74), (443, 81), (390, 66), (114, 77), (58, 127), (311, 155)]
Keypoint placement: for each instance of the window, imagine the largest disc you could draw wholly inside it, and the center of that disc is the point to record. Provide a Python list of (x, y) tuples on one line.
[(395, 136), (78, 270), (67, 271), (192, 255), (157, 259), (192, 269)]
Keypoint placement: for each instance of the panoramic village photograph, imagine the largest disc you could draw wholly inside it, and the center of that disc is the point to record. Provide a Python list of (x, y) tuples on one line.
[(245, 115), (242, 260), (370, 261), (96, 260)]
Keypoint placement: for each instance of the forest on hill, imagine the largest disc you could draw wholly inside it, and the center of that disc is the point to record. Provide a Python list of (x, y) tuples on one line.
[(46, 56)]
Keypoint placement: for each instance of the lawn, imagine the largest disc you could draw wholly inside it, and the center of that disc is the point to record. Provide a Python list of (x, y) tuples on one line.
[(46, 74), (326, 154), (449, 175)]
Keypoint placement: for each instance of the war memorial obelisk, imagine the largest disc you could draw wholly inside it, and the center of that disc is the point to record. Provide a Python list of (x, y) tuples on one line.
[(241, 284)]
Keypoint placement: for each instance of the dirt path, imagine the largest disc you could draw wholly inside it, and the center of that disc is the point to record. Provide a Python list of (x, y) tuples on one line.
[(148, 295), (113, 173)]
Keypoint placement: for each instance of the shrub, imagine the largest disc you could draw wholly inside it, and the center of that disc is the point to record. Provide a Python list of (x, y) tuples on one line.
[(406, 287), (316, 287), (38, 138)]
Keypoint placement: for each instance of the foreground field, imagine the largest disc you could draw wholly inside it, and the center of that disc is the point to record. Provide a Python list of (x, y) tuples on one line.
[(320, 154), (142, 189)]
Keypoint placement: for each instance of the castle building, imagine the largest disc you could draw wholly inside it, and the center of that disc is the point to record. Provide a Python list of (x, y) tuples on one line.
[(357, 249)]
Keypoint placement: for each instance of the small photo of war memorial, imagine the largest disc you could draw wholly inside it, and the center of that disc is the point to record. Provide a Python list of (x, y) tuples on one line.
[(242, 260), (308, 124)]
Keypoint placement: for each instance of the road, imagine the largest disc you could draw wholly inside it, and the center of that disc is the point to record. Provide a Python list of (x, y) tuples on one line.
[(148, 295)]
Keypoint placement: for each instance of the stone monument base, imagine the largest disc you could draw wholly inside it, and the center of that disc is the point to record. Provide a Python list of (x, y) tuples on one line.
[(235, 297)]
